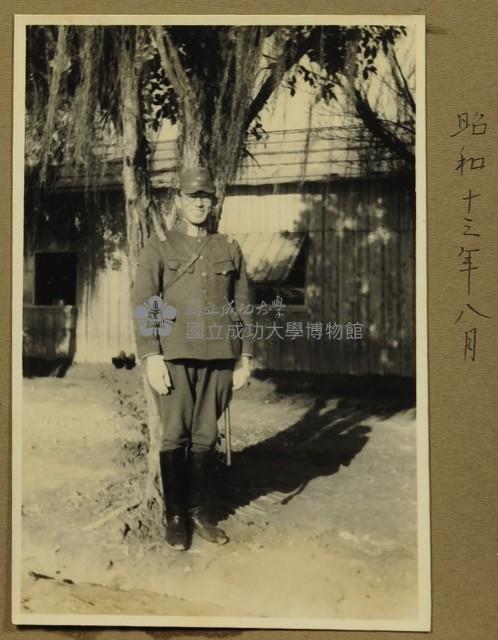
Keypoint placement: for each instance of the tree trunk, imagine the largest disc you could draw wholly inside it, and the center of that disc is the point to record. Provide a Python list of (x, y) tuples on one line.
[(134, 175), (190, 139), (58, 68), (137, 202)]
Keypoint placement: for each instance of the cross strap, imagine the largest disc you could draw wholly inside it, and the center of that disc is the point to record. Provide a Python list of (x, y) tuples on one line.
[(182, 270)]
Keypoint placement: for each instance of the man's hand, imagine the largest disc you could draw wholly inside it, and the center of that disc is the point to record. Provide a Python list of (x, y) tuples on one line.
[(242, 373), (158, 374)]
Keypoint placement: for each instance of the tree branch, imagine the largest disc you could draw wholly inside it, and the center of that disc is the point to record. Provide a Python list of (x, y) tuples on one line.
[(171, 62), (289, 58), (401, 81), (378, 129)]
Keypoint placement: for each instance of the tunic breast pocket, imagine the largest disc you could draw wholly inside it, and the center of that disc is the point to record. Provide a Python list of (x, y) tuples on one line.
[(223, 267), (177, 274), (175, 265)]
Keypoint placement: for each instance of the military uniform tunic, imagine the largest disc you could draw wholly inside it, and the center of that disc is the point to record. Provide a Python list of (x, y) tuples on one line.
[(204, 281)]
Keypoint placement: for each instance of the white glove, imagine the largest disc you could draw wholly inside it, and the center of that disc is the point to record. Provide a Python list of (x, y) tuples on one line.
[(158, 374), (242, 373)]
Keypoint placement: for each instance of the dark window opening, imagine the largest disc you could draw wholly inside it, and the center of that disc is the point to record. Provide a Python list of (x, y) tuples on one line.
[(292, 290), (55, 278)]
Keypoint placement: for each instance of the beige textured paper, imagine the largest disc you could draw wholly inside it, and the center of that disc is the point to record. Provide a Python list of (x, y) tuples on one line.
[(463, 400)]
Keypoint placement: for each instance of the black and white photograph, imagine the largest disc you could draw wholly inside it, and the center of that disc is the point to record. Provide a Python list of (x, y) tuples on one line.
[(219, 357)]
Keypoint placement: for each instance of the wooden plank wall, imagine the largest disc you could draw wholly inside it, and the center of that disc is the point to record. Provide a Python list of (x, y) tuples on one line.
[(368, 243), (94, 331), (105, 321), (49, 331), (361, 269)]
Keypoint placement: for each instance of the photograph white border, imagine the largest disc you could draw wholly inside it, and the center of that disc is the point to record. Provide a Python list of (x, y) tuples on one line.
[(423, 622)]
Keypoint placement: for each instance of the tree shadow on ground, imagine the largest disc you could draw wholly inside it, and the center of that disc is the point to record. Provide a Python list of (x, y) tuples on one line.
[(318, 444)]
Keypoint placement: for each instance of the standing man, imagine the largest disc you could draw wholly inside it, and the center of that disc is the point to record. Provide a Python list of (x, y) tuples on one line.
[(194, 284)]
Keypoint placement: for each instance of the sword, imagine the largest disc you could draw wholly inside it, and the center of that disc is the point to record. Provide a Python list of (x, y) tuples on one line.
[(228, 437)]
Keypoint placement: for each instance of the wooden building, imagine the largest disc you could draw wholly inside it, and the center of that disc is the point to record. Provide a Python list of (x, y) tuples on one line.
[(326, 221)]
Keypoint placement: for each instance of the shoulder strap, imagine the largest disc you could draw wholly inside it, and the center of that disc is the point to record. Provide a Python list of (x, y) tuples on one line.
[(183, 269)]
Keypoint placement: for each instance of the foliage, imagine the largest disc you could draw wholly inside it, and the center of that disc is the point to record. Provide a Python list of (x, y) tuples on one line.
[(211, 81), (66, 121)]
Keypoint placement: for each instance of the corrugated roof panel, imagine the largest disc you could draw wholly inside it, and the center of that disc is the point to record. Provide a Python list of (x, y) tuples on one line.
[(250, 250), (258, 246), (288, 251), (269, 256), (283, 156)]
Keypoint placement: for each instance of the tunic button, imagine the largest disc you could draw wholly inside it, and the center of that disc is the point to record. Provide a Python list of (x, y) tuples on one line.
[(198, 239), (203, 273), (201, 257), (204, 291)]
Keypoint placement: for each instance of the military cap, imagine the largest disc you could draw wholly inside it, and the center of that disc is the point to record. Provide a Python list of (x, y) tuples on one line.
[(196, 179)]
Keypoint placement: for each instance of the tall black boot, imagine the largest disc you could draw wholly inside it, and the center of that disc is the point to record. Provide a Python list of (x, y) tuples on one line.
[(202, 487), (174, 479)]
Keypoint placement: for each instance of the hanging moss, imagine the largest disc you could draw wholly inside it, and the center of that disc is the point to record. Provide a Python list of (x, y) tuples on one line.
[(212, 80)]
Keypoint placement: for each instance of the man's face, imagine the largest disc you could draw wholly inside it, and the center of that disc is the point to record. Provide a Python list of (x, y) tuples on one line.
[(195, 207)]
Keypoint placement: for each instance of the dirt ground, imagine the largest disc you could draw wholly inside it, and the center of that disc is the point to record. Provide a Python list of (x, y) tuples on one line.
[(319, 505)]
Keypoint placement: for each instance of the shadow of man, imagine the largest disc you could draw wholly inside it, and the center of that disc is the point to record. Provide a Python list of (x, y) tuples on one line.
[(318, 444)]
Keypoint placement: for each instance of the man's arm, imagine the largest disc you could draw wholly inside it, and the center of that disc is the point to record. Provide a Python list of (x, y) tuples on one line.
[(148, 282), (242, 298)]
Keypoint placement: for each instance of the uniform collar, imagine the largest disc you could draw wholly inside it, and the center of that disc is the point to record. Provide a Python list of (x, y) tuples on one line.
[(190, 229)]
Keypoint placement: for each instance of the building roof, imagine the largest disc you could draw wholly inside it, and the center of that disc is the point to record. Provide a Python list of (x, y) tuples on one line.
[(270, 256), (284, 156)]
